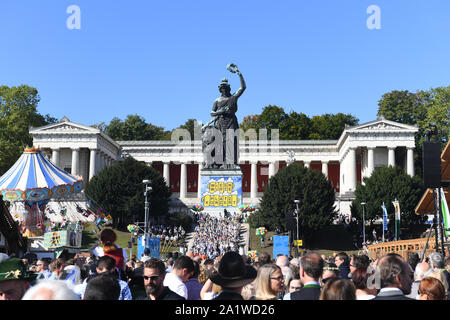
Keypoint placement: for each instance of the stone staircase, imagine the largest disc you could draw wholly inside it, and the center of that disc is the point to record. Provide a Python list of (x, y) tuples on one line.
[(244, 239)]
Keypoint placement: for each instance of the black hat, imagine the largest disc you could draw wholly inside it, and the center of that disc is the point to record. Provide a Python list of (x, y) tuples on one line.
[(233, 272)]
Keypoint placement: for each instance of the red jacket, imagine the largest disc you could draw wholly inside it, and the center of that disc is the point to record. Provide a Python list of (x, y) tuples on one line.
[(118, 256)]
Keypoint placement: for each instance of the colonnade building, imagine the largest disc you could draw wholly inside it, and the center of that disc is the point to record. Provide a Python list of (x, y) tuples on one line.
[(84, 151)]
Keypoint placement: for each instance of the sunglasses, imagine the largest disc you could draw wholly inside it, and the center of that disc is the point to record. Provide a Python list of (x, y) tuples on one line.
[(153, 278)]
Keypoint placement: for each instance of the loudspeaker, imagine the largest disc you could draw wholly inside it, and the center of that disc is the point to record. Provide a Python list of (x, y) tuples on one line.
[(291, 223), (431, 153)]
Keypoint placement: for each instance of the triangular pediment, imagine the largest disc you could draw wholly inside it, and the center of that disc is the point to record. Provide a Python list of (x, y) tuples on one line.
[(64, 126), (382, 124)]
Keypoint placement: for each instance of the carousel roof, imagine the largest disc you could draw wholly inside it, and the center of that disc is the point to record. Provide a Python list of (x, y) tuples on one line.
[(35, 178)]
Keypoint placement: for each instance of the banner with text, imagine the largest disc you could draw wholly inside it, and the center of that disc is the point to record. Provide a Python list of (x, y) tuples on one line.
[(221, 192)]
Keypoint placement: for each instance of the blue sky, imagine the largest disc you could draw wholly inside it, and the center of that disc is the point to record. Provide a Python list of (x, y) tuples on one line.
[(164, 59)]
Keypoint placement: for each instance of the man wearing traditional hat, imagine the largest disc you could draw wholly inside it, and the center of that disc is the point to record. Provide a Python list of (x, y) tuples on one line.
[(14, 278), (233, 274)]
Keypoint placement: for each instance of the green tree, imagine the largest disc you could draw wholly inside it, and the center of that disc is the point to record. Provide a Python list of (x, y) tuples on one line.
[(402, 106), (132, 128), (249, 122), (272, 117), (192, 126), (437, 106), (296, 127), (18, 112), (385, 185), (330, 126), (421, 109), (316, 197), (119, 190)]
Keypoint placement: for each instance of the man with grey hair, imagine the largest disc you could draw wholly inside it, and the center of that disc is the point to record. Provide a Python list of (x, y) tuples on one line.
[(422, 271), (282, 261), (396, 278), (437, 263), (50, 290), (311, 268)]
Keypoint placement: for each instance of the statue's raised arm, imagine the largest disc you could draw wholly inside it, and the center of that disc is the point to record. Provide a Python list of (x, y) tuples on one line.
[(234, 69)]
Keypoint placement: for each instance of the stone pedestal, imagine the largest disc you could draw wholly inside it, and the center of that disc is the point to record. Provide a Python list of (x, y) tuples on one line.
[(221, 189)]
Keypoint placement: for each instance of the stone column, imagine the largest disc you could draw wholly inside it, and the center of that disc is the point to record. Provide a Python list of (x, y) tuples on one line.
[(307, 164), (199, 182), (92, 163), (102, 161), (75, 161), (351, 172), (98, 160), (370, 161), (55, 156), (166, 173), (271, 169), (410, 161), (254, 180), (391, 156), (325, 168), (183, 181)]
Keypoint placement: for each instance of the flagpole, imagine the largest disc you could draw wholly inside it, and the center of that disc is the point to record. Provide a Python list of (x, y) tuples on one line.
[(383, 222), (396, 234), (397, 217), (441, 220)]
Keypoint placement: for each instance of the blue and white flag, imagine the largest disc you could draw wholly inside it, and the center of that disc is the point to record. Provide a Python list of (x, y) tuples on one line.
[(385, 217)]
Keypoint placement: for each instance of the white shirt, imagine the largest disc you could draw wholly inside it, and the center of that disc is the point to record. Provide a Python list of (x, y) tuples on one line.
[(175, 284), (391, 289), (365, 297)]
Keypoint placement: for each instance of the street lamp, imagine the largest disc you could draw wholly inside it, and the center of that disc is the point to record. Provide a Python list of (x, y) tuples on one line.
[(147, 189), (296, 213), (364, 223)]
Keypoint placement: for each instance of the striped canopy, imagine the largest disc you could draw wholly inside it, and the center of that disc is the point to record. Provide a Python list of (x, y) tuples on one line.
[(34, 178)]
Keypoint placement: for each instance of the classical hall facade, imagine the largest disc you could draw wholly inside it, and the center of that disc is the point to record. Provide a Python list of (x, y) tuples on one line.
[(84, 151)]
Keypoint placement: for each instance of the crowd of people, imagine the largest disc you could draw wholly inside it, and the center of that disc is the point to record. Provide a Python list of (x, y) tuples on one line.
[(167, 233), (214, 236), (109, 275)]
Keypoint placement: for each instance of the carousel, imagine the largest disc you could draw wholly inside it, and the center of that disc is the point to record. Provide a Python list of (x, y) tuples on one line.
[(41, 198)]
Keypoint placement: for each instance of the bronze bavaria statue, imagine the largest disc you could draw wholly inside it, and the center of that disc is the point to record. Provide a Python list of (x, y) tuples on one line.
[(225, 124)]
